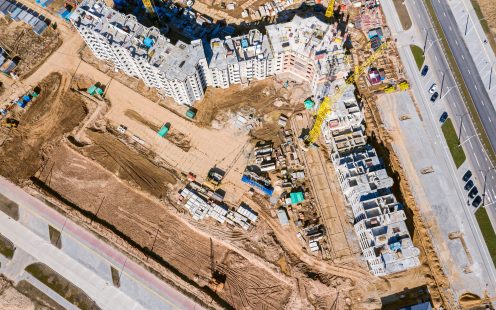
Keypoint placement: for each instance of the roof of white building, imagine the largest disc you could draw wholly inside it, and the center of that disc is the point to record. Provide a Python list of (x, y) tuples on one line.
[(308, 37), (234, 50), (175, 61)]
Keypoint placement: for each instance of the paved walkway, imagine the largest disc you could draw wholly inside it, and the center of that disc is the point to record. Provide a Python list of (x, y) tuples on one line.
[(477, 43), (30, 234)]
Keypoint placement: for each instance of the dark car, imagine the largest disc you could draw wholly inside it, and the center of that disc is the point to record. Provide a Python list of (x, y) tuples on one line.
[(467, 176), (425, 69), (443, 117), (434, 96), (469, 185), (477, 201), (474, 191)]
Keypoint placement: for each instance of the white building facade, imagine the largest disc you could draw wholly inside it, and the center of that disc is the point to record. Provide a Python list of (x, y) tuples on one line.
[(306, 48)]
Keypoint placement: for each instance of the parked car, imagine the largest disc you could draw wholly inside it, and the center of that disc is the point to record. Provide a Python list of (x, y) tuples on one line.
[(433, 88), (443, 117), (434, 96), (477, 201), (467, 176), (474, 191), (469, 185), (425, 69)]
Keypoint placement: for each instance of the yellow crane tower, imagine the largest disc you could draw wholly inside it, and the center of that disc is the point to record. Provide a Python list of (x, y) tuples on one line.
[(328, 102)]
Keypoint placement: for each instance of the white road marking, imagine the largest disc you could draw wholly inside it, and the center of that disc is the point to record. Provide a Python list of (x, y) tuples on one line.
[(444, 13), (477, 160), (456, 41), (483, 103), (463, 57), (451, 29), (469, 72), (489, 119), (475, 87)]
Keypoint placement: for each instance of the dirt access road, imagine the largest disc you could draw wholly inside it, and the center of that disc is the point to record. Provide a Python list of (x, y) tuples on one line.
[(340, 233)]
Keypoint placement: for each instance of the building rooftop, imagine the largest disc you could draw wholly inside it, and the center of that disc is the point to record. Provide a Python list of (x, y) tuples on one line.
[(237, 49), (309, 37), (175, 61)]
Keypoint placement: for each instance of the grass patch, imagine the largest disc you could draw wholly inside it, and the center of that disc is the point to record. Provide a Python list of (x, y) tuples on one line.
[(9, 207), (487, 232), (406, 21), (469, 103), (484, 24), (7, 248), (61, 286), (452, 139), (418, 54)]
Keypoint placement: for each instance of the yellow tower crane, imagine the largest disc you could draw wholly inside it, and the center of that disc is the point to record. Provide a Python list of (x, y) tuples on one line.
[(149, 6), (330, 8), (326, 105)]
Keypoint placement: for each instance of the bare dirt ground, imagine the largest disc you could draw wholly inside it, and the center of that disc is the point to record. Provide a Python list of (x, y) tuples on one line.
[(20, 40), (130, 166), (260, 95), (45, 121), (177, 138), (488, 8), (90, 186)]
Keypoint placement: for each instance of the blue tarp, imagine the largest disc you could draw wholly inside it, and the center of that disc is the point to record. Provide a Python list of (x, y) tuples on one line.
[(148, 42), (26, 98), (266, 190)]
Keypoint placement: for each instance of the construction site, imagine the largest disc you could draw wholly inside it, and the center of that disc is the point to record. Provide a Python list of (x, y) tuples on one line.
[(235, 200)]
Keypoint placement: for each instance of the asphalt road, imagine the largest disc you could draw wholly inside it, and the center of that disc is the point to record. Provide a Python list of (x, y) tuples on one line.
[(477, 158), (452, 103), (475, 85)]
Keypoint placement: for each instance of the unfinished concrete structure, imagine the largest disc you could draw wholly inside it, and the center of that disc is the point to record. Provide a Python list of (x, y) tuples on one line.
[(379, 219), (307, 48), (343, 129)]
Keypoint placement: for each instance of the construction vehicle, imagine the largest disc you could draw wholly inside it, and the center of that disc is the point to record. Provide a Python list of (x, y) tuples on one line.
[(389, 89), (10, 123), (218, 278), (328, 102), (404, 85)]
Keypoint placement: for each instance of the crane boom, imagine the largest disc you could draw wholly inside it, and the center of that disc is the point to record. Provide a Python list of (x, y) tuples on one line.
[(148, 6), (330, 8), (328, 102)]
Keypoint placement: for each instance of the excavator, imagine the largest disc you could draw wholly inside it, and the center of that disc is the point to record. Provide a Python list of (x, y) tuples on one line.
[(10, 123), (326, 106)]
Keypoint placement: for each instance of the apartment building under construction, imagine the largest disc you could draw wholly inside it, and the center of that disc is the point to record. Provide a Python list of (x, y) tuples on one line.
[(306, 48)]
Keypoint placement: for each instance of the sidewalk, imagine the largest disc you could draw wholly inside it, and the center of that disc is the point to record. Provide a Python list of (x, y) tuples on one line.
[(482, 53)]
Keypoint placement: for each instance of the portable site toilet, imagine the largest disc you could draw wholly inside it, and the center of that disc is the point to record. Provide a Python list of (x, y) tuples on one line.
[(191, 113), (164, 130), (309, 104)]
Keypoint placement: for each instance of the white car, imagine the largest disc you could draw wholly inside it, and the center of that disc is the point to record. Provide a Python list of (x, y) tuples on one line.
[(433, 88)]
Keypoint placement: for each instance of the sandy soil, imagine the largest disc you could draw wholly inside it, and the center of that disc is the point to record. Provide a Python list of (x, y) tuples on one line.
[(130, 166), (32, 49), (488, 8), (45, 121), (89, 186), (260, 95)]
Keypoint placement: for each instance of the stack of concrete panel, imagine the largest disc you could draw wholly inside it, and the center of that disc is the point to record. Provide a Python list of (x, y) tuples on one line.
[(248, 213), (19, 12)]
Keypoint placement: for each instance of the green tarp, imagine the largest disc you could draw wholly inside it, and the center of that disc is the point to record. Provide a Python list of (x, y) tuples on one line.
[(296, 197)]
